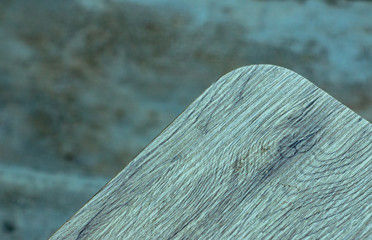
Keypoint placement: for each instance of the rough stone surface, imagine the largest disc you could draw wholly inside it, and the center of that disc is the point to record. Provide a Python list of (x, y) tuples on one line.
[(34, 204), (85, 84)]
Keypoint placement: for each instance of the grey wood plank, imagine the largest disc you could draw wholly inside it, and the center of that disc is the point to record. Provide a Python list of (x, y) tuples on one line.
[(261, 154)]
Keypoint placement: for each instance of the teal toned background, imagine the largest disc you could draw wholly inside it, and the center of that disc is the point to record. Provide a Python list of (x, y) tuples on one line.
[(86, 84)]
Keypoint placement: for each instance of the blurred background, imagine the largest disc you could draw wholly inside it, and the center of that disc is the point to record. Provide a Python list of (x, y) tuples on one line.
[(86, 84)]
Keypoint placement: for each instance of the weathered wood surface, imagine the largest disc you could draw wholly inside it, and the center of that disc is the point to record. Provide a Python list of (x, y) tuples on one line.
[(261, 154)]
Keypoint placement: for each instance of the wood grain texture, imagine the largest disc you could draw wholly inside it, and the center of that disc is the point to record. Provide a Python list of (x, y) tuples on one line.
[(261, 154)]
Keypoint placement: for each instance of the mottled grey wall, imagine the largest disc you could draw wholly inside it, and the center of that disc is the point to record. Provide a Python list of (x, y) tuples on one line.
[(85, 85)]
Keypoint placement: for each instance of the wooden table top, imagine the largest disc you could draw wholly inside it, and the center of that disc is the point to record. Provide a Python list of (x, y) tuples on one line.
[(261, 154)]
